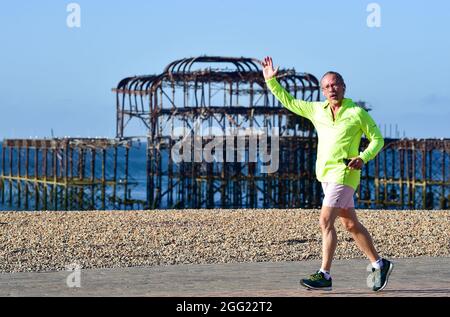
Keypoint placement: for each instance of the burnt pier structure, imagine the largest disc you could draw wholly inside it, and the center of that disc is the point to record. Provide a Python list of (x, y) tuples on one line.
[(228, 96), (66, 174), (215, 138)]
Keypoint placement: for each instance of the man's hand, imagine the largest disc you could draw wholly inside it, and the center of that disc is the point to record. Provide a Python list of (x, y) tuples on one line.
[(356, 163), (268, 70)]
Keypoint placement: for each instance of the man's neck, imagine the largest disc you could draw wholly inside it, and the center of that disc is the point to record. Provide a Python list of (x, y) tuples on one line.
[(335, 104)]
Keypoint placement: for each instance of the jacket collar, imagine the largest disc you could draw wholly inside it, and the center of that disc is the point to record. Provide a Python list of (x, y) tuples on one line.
[(345, 102)]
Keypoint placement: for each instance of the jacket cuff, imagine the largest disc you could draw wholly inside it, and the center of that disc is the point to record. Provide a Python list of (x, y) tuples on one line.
[(363, 157), (272, 80)]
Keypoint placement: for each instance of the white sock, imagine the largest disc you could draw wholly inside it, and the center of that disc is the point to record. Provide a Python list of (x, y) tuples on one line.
[(378, 264), (325, 273)]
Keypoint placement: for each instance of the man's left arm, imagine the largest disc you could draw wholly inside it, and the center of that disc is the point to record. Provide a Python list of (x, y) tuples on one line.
[(373, 134)]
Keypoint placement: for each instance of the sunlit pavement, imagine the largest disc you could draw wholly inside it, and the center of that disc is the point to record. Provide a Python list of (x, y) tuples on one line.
[(424, 276)]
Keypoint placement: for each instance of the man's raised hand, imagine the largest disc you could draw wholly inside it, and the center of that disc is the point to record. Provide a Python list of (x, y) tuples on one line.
[(268, 70)]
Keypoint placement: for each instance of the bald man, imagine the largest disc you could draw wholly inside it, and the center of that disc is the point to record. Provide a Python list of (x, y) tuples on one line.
[(340, 124)]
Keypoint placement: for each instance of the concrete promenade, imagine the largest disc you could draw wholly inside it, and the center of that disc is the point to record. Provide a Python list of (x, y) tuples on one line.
[(423, 276)]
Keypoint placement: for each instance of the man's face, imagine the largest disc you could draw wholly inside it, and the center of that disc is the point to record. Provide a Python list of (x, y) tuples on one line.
[(332, 88)]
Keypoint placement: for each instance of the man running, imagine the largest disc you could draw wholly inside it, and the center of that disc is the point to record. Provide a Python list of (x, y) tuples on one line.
[(340, 124)]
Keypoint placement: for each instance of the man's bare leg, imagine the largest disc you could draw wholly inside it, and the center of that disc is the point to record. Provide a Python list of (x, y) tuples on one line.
[(328, 216), (360, 234)]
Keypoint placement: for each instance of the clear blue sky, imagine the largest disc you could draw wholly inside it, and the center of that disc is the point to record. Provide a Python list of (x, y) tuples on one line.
[(55, 77)]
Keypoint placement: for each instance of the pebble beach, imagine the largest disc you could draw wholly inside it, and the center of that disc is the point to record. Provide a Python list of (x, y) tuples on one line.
[(52, 241)]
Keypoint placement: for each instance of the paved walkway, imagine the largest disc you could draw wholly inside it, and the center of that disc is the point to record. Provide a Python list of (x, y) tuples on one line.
[(411, 277)]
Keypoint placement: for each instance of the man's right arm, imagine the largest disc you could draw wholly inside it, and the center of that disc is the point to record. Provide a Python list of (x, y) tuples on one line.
[(297, 106)]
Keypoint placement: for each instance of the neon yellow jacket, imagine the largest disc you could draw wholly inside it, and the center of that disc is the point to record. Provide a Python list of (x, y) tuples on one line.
[(339, 139)]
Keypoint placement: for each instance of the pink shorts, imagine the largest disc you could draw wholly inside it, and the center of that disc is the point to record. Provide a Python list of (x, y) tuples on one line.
[(338, 195)]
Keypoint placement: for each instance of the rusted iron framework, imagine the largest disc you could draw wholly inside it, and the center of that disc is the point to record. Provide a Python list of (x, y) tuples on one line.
[(408, 174), (196, 102), (65, 174), (230, 94), (221, 94)]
